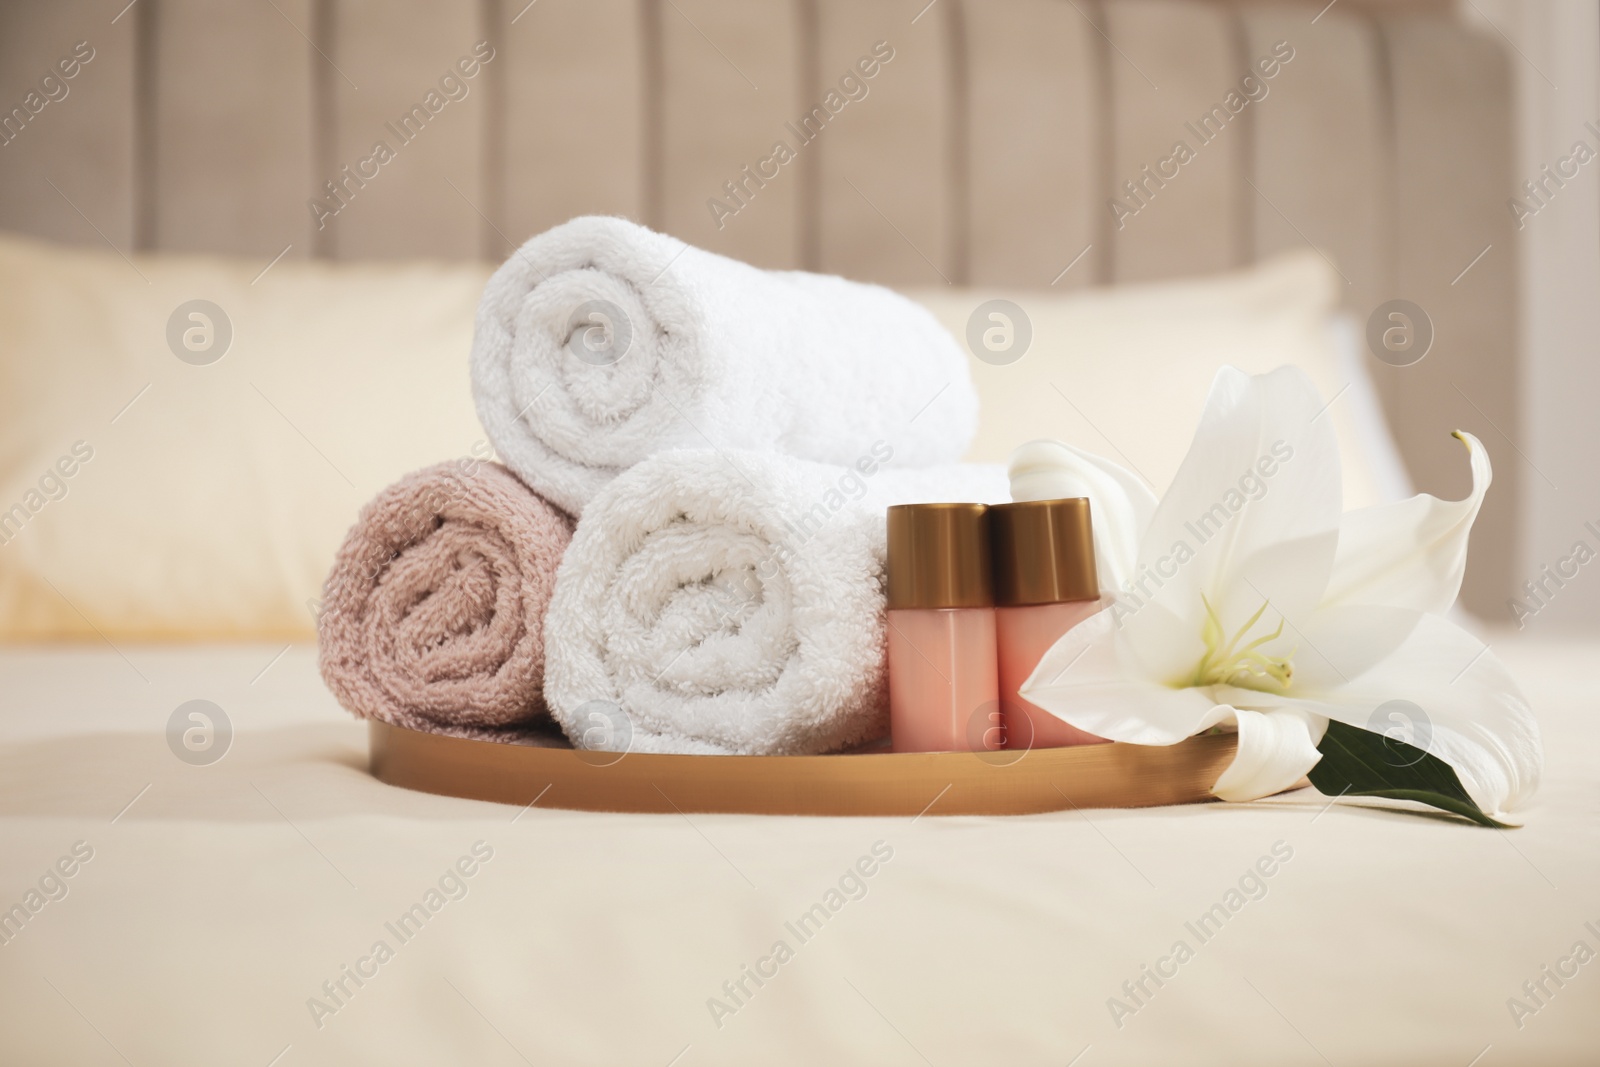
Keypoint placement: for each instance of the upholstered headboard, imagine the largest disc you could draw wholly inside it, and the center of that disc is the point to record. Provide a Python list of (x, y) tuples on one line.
[(990, 145)]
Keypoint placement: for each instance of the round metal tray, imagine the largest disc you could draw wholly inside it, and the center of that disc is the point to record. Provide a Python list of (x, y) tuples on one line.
[(864, 783)]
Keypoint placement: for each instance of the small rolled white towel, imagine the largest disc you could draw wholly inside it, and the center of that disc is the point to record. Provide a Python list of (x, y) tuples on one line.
[(733, 602), (601, 342)]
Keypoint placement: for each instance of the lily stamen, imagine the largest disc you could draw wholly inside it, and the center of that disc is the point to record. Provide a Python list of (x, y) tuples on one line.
[(1246, 668)]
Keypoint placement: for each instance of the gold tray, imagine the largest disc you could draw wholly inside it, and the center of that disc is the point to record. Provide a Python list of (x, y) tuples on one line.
[(868, 783)]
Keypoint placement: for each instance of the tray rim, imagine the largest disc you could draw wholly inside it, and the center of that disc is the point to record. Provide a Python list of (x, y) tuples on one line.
[(852, 784)]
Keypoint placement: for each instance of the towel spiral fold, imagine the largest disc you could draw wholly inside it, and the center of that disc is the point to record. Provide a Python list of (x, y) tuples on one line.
[(433, 612), (600, 343)]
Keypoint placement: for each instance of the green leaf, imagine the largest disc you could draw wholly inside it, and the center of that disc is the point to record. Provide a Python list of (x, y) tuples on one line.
[(1361, 763)]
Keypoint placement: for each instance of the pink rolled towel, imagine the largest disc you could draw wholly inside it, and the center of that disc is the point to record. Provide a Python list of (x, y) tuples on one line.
[(433, 612)]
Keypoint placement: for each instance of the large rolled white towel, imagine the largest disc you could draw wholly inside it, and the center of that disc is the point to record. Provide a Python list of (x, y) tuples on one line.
[(733, 602), (601, 342)]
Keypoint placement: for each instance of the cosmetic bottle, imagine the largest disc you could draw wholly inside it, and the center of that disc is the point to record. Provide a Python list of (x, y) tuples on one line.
[(943, 687), (1044, 585)]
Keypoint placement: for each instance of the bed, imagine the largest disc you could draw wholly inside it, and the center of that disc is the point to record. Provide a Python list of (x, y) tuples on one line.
[(276, 905), (219, 899)]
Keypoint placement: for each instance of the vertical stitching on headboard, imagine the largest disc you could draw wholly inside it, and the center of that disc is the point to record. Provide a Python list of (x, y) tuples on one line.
[(810, 176), (324, 117), (145, 194), (652, 111), (1389, 196), (958, 103), (492, 17), (1104, 142), (1244, 234)]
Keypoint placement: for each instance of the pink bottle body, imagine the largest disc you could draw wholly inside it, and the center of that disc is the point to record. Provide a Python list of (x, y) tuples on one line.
[(943, 680), (1023, 636)]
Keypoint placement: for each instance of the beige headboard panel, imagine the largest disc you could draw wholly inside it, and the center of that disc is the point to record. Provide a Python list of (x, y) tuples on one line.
[(984, 153)]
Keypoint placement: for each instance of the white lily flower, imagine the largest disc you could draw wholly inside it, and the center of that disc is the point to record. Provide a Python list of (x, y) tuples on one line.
[(1254, 602)]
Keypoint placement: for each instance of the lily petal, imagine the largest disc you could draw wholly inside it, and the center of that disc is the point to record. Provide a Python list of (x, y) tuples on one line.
[(1338, 643), (1409, 554), (1276, 749), (1230, 534), (1468, 711), (1086, 681), (1119, 501)]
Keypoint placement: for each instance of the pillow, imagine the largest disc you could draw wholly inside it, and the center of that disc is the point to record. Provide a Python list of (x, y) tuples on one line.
[(169, 472), (146, 494), (1124, 372)]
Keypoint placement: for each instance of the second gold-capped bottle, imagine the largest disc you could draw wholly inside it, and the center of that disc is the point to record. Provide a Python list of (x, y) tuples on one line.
[(1044, 584)]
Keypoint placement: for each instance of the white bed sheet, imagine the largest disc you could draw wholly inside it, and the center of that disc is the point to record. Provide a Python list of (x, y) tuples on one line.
[(219, 899)]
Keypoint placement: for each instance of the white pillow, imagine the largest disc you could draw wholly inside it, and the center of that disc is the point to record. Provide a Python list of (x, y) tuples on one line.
[(1125, 371), (212, 497), (142, 496)]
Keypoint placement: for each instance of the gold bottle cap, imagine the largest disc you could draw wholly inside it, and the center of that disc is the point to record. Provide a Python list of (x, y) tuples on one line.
[(1043, 552), (939, 556)]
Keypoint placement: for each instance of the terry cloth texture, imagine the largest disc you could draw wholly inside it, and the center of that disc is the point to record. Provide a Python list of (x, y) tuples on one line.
[(600, 343), (433, 612)]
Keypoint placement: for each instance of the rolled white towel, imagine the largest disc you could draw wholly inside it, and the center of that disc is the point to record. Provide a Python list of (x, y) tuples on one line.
[(733, 602), (601, 342)]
